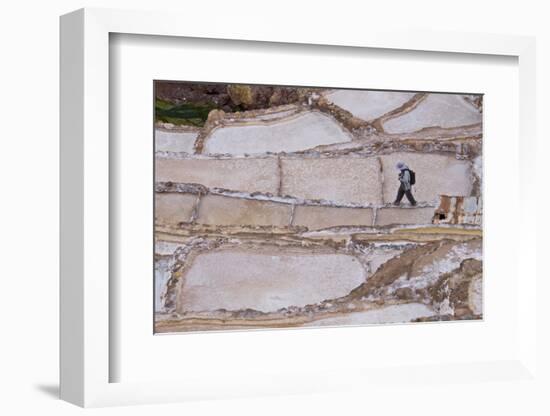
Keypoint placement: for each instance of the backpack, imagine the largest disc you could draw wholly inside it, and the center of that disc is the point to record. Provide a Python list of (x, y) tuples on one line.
[(413, 176)]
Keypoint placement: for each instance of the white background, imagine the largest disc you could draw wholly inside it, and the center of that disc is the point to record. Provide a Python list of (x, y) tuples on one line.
[(29, 172)]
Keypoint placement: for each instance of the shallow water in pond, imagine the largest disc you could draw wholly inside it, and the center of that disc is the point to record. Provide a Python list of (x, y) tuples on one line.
[(267, 281), (302, 132)]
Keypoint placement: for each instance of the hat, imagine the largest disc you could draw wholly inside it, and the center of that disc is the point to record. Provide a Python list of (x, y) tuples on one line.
[(401, 166)]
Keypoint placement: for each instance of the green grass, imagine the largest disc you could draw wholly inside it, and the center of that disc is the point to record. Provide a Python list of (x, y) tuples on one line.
[(182, 114)]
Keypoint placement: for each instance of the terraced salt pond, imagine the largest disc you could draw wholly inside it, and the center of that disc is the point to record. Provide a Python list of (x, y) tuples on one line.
[(251, 175), (267, 281), (369, 105), (359, 180), (301, 132), (436, 110), (177, 141)]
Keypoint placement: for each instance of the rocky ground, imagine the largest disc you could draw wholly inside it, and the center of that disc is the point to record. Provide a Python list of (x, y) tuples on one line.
[(276, 212)]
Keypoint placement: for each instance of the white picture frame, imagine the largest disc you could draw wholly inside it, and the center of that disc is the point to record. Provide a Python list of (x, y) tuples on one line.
[(85, 210)]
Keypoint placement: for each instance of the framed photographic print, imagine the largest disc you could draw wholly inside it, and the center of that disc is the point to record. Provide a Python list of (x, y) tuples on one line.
[(247, 215), (283, 206)]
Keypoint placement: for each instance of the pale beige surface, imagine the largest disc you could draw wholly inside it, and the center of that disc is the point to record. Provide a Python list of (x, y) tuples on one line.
[(237, 174), (368, 105), (387, 216), (178, 141), (435, 175), (343, 179), (317, 217), (301, 132), (173, 208), (266, 281), (221, 210), (441, 110)]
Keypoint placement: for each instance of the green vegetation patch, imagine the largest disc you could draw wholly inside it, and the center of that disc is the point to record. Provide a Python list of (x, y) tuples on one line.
[(187, 114)]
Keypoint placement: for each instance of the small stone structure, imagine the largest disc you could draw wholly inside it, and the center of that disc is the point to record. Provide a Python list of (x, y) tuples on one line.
[(458, 210)]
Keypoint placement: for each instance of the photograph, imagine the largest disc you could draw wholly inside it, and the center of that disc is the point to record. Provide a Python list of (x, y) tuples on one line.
[(282, 206)]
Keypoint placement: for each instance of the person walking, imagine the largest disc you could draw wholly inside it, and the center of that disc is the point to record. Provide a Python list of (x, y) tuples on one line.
[(406, 180)]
